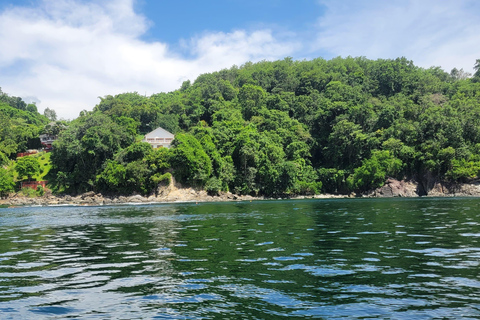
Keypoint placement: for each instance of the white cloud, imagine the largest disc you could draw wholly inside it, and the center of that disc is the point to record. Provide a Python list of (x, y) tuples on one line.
[(66, 53), (429, 32)]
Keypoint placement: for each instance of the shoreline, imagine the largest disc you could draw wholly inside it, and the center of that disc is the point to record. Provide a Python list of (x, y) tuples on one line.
[(100, 200), (392, 189)]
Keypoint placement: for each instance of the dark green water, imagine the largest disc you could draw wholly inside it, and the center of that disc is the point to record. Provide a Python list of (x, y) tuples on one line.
[(324, 259)]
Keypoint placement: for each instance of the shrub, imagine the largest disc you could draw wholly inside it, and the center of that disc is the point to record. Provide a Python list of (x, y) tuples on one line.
[(158, 178), (462, 170), (374, 170), (28, 192), (7, 183), (308, 188), (213, 186), (40, 191)]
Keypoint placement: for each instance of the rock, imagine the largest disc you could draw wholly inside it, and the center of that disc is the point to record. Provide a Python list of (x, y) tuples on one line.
[(438, 190), (228, 195), (87, 194), (395, 188), (464, 189), (172, 192), (136, 198), (88, 200), (164, 189)]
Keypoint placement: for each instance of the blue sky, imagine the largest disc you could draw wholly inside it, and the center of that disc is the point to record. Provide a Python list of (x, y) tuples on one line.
[(174, 20), (64, 54)]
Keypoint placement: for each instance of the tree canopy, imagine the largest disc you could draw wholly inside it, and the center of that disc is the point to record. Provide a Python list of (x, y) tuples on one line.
[(27, 167), (20, 124), (284, 127)]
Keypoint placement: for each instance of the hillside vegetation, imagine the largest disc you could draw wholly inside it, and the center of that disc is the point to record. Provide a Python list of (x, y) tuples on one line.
[(280, 128), (20, 126)]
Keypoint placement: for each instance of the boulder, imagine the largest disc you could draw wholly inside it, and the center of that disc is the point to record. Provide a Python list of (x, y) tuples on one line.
[(87, 194), (396, 188), (136, 198)]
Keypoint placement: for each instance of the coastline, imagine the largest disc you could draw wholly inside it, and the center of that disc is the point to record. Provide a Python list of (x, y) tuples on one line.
[(392, 188), (97, 199)]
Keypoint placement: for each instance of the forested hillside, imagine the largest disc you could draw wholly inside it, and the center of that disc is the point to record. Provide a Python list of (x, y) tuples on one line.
[(283, 127), (20, 125)]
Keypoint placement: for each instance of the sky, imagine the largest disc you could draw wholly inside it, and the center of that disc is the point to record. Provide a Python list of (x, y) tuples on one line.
[(65, 54)]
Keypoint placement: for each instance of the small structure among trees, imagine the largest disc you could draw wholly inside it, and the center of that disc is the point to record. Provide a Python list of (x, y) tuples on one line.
[(50, 134), (159, 138), (29, 167)]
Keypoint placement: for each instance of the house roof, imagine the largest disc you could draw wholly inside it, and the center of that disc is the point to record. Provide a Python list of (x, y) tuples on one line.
[(159, 133)]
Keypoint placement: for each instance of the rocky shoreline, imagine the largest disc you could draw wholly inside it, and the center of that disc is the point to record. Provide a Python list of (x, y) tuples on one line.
[(97, 199), (392, 188), (427, 188)]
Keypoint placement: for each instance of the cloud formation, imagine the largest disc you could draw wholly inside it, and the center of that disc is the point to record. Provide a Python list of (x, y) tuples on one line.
[(429, 32), (68, 53)]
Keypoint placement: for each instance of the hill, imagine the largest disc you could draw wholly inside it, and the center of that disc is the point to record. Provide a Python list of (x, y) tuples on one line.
[(282, 128)]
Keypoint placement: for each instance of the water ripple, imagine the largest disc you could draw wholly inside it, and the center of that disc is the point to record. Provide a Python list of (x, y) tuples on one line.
[(332, 259)]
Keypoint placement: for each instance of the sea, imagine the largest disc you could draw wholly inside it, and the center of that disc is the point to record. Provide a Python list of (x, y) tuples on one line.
[(395, 258)]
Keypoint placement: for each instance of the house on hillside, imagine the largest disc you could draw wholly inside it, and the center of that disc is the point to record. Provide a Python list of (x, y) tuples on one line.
[(50, 134), (159, 138), (47, 141)]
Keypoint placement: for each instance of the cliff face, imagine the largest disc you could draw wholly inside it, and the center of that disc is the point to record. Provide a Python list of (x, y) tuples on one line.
[(395, 188), (430, 188)]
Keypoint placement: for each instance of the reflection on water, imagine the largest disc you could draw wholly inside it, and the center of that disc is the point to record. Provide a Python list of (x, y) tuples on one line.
[(332, 259)]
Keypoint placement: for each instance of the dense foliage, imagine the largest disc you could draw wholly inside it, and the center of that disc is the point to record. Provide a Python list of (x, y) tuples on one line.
[(20, 124), (83, 149), (138, 168), (7, 182), (27, 167), (284, 127)]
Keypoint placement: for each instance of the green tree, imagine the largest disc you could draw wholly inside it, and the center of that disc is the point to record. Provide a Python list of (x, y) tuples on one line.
[(252, 99), (189, 160), (18, 129), (81, 151), (112, 178), (346, 144), (136, 169), (27, 167), (476, 67), (246, 158), (7, 183), (463, 170), (32, 108), (54, 128), (373, 171), (50, 114)]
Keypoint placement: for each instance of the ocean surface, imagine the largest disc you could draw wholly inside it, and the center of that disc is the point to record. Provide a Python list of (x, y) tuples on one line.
[(319, 259)]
